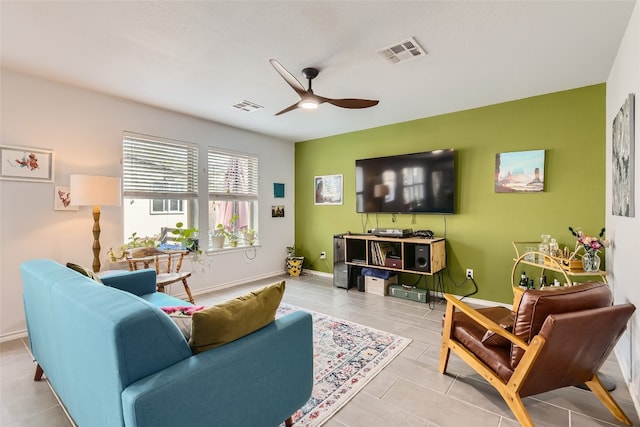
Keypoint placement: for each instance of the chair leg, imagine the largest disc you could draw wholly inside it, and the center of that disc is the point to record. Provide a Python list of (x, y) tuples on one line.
[(288, 422), (444, 356), (188, 290), (519, 410), (605, 397), (38, 374), (445, 350)]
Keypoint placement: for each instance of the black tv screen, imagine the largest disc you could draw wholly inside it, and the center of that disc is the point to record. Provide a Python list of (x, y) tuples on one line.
[(407, 183)]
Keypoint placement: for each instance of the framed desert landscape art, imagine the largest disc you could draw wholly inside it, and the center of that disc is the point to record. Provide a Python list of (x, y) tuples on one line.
[(519, 172)]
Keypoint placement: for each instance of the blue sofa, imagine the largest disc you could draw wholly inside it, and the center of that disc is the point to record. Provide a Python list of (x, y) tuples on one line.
[(115, 359)]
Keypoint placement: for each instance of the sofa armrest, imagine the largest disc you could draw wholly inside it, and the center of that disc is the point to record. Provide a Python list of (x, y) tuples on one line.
[(260, 379), (139, 282)]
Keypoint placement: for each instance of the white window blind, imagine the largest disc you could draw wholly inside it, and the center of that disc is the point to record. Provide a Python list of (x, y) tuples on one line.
[(232, 174), (159, 168)]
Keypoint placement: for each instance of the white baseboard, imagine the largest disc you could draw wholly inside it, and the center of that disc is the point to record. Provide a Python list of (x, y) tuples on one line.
[(13, 336)]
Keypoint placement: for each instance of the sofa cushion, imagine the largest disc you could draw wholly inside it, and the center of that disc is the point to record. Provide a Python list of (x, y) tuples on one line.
[(226, 322), (469, 333), (181, 315), (84, 271), (491, 338)]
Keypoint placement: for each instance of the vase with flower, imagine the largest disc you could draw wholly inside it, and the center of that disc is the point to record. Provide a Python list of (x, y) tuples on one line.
[(591, 246)]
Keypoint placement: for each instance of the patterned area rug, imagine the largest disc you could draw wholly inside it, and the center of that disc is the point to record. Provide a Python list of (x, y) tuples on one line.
[(346, 357)]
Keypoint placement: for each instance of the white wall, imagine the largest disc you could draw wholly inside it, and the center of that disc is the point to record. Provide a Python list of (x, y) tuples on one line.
[(623, 259), (84, 129)]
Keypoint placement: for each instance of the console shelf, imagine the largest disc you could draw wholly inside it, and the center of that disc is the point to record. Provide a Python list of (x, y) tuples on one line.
[(410, 254)]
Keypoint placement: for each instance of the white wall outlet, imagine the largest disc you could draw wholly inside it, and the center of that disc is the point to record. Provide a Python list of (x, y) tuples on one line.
[(323, 255), (469, 273)]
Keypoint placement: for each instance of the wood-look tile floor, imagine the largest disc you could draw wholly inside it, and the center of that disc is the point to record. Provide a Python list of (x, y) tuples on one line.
[(408, 392)]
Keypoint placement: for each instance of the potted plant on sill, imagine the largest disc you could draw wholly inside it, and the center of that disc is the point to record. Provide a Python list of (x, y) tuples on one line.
[(229, 232), (250, 236), (187, 237), (134, 241), (217, 238)]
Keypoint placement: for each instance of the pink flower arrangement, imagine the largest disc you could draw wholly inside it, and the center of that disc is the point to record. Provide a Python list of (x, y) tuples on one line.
[(588, 243)]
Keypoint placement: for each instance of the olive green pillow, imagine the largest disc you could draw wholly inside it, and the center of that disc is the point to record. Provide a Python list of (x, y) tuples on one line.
[(226, 322), (84, 271)]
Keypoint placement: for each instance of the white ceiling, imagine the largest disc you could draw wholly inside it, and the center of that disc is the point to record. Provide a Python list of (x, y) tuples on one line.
[(202, 57)]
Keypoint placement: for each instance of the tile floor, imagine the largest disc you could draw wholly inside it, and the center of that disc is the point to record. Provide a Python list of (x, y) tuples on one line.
[(408, 392)]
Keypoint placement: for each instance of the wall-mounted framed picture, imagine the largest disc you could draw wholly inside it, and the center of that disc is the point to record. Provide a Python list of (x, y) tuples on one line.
[(328, 189), (623, 145), (26, 164), (277, 211), (519, 172), (62, 199), (278, 190)]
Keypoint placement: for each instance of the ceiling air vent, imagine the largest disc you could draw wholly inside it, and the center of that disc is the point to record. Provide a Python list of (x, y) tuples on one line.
[(247, 106), (403, 51)]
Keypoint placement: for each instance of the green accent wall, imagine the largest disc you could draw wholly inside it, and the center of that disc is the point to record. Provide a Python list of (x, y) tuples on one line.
[(569, 125)]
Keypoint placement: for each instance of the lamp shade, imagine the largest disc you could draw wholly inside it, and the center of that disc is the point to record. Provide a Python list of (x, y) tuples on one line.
[(88, 190)]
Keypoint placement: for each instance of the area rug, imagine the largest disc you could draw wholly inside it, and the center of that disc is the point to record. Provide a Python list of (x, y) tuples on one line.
[(346, 356)]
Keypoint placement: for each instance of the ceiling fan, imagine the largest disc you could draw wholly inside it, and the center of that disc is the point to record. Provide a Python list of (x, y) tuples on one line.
[(310, 100)]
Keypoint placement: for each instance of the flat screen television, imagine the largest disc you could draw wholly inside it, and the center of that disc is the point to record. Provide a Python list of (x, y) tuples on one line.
[(407, 183)]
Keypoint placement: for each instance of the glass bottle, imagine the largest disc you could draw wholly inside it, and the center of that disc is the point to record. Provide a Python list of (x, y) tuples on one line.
[(554, 250), (524, 281), (543, 248)]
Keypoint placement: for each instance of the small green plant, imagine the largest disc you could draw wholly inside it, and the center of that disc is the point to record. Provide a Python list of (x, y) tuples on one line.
[(133, 241), (187, 237), (229, 231)]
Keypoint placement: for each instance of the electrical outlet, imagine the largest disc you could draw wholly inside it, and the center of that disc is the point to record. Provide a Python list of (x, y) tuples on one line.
[(469, 273), (323, 255)]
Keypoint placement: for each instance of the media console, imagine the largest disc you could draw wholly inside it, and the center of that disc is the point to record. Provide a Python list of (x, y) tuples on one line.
[(408, 254)]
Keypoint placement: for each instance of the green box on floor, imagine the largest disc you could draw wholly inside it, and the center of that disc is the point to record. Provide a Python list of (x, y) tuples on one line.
[(413, 294)]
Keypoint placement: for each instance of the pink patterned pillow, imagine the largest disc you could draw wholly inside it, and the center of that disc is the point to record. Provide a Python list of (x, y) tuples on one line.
[(181, 315)]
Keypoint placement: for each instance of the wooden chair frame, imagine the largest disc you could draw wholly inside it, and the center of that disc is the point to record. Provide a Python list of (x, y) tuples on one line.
[(165, 274), (509, 391)]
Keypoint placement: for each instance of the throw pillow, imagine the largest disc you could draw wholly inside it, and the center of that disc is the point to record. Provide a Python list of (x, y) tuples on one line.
[(84, 271), (226, 322), (181, 315), (493, 339)]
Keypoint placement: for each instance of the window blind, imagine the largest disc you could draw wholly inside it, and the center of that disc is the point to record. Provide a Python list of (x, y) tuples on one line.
[(232, 174), (159, 168)]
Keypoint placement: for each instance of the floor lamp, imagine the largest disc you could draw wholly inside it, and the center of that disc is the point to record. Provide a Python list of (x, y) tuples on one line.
[(96, 191)]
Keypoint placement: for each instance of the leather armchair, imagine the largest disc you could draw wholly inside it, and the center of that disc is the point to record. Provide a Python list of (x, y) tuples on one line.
[(550, 339)]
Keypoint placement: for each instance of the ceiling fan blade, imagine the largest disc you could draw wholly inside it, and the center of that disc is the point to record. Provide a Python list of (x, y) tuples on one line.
[(286, 110), (288, 77), (351, 102)]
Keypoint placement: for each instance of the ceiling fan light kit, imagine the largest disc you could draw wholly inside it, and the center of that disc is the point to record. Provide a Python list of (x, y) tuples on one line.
[(309, 100)]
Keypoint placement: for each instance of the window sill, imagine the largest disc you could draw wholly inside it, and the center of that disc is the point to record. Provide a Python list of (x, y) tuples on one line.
[(229, 249)]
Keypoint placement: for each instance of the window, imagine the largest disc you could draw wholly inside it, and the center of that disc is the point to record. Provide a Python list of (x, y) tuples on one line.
[(160, 184), (233, 191), (166, 206)]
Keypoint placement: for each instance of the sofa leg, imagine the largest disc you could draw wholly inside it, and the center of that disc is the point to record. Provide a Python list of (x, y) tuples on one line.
[(39, 372), (288, 422)]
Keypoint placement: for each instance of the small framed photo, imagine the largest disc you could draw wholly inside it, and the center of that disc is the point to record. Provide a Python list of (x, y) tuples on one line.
[(277, 211), (62, 199), (328, 189), (26, 164)]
